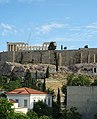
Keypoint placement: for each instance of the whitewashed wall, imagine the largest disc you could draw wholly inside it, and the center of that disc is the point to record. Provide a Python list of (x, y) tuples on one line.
[(30, 99)]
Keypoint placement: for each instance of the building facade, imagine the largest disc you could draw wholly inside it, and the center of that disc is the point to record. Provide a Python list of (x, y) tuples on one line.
[(26, 97)]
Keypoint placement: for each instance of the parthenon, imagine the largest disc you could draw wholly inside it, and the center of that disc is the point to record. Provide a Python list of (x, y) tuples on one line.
[(18, 46)]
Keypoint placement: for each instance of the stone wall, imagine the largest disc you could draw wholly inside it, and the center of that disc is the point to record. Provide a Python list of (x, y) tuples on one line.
[(84, 99), (66, 57)]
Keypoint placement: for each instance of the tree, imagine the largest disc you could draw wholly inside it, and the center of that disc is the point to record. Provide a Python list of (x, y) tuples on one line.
[(28, 79), (65, 48), (32, 115), (20, 116), (55, 110), (42, 109), (12, 85), (47, 72), (51, 91), (94, 83), (78, 80), (3, 81), (45, 117), (86, 46), (58, 98), (61, 47), (56, 56), (44, 86), (64, 90), (71, 113), (52, 46), (6, 110)]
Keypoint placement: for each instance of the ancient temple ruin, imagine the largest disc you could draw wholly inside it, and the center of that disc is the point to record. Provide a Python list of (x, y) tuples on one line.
[(19, 46)]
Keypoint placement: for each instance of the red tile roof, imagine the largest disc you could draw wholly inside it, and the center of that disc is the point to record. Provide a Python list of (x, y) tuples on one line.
[(25, 90)]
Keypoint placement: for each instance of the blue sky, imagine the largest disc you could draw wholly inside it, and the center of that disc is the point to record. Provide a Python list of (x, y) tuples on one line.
[(71, 23)]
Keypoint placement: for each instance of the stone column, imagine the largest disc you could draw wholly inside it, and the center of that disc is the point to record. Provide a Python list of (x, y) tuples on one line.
[(13, 47), (88, 58), (94, 58), (60, 59), (13, 56), (8, 47)]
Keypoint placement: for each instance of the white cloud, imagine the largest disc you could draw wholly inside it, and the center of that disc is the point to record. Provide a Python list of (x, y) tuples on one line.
[(92, 26), (7, 28), (20, 1), (48, 27)]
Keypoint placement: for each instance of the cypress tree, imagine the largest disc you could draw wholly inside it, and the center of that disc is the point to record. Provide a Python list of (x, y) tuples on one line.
[(28, 79), (44, 86), (58, 98), (47, 72)]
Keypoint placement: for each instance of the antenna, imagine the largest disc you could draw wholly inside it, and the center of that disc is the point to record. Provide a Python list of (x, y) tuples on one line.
[(29, 38)]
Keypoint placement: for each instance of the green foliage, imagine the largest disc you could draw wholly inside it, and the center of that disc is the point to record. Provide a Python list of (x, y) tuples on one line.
[(12, 85), (94, 83), (45, 117), (20, 116), (32, 115), (79, 80), (6, 111), (72, 113), (55, 110), (3, 80), (28, 79), (42, 109)]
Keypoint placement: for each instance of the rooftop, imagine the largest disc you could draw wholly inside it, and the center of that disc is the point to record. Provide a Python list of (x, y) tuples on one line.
[(25, 90)]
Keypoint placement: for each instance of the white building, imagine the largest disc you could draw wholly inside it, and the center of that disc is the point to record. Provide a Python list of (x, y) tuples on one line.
[(26, 97)]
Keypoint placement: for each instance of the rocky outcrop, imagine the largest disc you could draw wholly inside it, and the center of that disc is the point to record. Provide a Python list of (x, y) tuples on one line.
[(19, 70)]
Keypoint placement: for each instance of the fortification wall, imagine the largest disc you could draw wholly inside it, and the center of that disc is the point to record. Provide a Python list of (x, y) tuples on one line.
[(65, 57)]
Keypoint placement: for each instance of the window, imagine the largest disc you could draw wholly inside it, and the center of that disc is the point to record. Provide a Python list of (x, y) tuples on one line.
[(34, 102), (49, 101), (94, 70), (45, 101), (17, 100), (25, 103)]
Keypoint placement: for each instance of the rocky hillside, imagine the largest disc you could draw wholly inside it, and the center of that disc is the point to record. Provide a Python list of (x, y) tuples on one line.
[(19, 70), (56, 79)]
